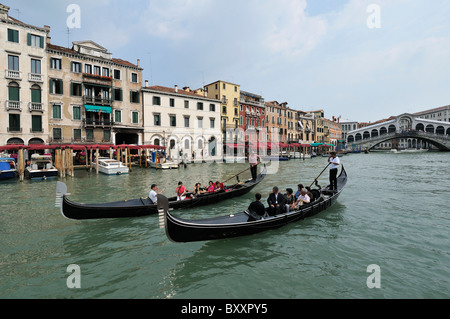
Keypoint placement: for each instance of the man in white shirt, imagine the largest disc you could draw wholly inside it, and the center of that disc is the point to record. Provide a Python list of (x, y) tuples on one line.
[(253, 161), (154, 193), (334, 164)]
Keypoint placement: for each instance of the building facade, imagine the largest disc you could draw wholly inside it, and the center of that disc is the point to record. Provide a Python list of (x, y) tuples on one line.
[(93, 97), (24, 84), (252, 117), (186, 123)]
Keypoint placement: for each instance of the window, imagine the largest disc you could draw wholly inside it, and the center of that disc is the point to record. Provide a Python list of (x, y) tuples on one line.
[(14, 122), (88, 68), (77, 113), (75, 89), (200, 122), (13, 63), (186, 104), (55, 63), (173, 120), (35, 66), (117, 116), (89, 134), (107, 135), (75, 67), (13, 92), (96, 70), (200, 106), (105, 72), (186, 121), (77, 134), (172, 102), (224, 86), (157, 119), (212, 123), (56, 86), (35, 94), (212, 107), (156, 100), (56, 111), (134, 77), (57, 134), (35, 41), (135, 117), (13, 35), (134, 97), (36, 123), (224, 110), (116, 74), (117, 94)]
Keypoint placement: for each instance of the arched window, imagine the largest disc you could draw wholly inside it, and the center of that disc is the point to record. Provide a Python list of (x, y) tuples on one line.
[(13, 91), (36, 94), (440, 130)]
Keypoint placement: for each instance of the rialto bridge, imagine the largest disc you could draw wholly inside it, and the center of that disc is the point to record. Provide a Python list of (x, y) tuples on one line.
[(403, 126)]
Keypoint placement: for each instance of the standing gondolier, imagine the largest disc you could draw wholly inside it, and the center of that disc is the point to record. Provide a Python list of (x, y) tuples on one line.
[(253, 161), (334, 163)]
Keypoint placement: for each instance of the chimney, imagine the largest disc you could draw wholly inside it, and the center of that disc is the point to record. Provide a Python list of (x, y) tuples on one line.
[(176, 88), (138, 62), (146, 83), (48, 39), (4, 10)]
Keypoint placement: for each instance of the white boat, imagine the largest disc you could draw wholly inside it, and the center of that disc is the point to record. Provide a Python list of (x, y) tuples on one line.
[(109, 166), (7, 168), (165, 165), (41, 167)]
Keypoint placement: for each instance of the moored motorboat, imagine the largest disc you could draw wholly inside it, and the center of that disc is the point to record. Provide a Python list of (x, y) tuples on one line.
[(242, 223), (8, 168), (163, 165), (143, 206), (41, 167), (109, 166)]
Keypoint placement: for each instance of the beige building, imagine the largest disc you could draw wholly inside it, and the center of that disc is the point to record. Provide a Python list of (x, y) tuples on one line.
[(93, 98), (184, 121), (23, 83), (229, 94)]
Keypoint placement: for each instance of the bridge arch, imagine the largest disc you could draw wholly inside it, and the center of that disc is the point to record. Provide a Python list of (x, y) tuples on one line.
[(429, 128), (440, 130), (448, 131), (366, 135), (383, 130), (420, 127), (358, 137), (392, 128), (374, 133), (350, 139)]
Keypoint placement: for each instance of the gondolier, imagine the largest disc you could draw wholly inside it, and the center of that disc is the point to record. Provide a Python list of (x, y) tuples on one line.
[(253, 160), (334, 164)]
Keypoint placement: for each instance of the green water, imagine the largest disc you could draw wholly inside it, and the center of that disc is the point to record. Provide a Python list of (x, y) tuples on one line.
[(393, 213)]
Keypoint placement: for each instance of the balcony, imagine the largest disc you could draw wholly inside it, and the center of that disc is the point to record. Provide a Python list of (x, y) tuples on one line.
[(14, 105), (97, 79), (13, 75), (252, 102), (36, 107), (97, 101), (33, 77), (93, 123)]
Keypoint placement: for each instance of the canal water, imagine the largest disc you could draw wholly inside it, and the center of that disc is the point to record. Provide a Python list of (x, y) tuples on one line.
[(394, 213)]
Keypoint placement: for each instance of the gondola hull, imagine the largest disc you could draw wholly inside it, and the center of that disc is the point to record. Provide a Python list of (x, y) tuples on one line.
[(243, 223), (144, 207)]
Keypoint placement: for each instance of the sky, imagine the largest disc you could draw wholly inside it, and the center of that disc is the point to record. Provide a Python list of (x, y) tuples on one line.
[(362, 60)]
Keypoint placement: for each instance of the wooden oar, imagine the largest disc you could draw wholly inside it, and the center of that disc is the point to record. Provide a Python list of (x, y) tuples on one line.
[(320, 175), (236, 175)]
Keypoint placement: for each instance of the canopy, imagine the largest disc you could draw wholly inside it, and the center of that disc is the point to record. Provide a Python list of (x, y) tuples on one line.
[(96, 108), (316, 144)]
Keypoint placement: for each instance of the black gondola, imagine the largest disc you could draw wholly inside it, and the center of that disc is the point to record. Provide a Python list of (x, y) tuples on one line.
[(243, 223), (143, 206)]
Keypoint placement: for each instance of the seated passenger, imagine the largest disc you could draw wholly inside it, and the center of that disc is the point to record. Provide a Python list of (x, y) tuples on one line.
[(181, 191), (289, 198), (219, 186), (257, 206), (152, 195), (299, 188), (310, 194), (198, 189), (211, 187), (276, 202), (303, 198)]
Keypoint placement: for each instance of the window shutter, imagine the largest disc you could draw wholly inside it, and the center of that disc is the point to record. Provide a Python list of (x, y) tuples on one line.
[(29, 39), (42, 42), (121, 98), (51, 85)]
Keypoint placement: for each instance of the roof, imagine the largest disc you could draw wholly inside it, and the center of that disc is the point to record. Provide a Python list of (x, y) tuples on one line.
[(168, 90), (442, 108), (71, 51)]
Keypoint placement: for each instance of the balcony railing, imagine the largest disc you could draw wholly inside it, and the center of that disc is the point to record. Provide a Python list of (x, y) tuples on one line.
[(12, 74), (33, 77), (97, 101), (33, 106), (97, 123), (13, 105)]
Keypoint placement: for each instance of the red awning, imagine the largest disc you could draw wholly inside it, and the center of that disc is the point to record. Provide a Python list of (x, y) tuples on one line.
[(39, 147), (305, 145), (12, 147)]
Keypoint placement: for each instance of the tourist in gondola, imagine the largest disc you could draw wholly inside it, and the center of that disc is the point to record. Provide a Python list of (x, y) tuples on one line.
[(154, 191), (181, 191), (276, 202), (219, 186), (310, 194), (289, 198), (257, 206), (299, 188), (198, 189), (303, 198), (211, 187), (334, 164)]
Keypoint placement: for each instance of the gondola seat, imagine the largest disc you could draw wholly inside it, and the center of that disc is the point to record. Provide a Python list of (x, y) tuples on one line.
[(252, 216)]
